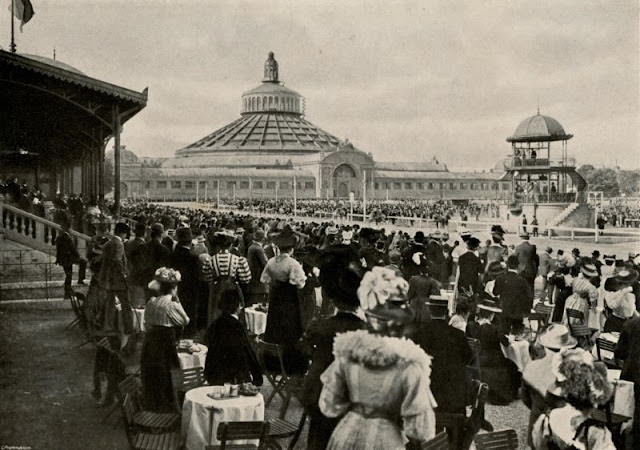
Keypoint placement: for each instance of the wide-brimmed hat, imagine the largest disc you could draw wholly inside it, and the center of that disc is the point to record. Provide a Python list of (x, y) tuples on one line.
[(489, 305), (164, 275), (627, 276), (557, 337), (286, 239), (495, 268), (609, 258), (391, 313), (473, 242), (184, 235), (589, 270), (497, 229), (332, 230)]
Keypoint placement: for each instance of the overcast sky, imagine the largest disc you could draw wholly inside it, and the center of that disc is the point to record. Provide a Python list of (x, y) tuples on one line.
[(404, 80)]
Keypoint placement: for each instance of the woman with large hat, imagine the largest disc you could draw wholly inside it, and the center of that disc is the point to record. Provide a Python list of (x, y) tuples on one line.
[(619, 299), (285, 276), (379, 382), (538, 375), (582, 383), (163, 315), (499, 372)]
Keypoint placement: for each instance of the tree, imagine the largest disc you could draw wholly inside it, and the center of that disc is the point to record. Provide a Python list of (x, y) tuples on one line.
[(108, 175), (604, 180), (629, 182)]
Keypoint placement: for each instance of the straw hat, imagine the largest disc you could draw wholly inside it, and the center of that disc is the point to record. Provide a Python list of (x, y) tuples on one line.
[(627, 276), (164, 275), (589, 270), (557, 337), (489, 305)]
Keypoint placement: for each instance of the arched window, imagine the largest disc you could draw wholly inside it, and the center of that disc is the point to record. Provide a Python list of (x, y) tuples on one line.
[(276, 103), (264, 103), (270, 102), (259, 107)]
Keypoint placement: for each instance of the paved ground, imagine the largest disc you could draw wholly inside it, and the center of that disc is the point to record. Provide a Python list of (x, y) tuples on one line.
[(46, 383)]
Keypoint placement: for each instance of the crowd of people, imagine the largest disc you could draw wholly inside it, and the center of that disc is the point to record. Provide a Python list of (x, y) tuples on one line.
[(393, 307), (622, 214), (379, 211)]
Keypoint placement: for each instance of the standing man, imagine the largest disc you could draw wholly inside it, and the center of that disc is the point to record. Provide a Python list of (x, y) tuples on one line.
[(534, 224), (133, 251), (470, 268), (628, 350), (113, 279), (515, 295), (154, 256), (67, 255), (184, 261), (256, 258), (524, 223), (547, 265), (527, 260)]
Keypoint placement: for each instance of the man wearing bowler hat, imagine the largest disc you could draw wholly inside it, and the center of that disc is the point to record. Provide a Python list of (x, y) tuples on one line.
[(185, 262)]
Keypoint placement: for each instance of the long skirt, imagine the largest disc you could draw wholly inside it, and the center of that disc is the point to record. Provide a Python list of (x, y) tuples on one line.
[(284, 325), (159, 356)]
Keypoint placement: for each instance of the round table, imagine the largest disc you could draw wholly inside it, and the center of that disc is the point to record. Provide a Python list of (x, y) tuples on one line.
[(201, 415), (196, 359), (256, 320), (518, 352), (623, 394)]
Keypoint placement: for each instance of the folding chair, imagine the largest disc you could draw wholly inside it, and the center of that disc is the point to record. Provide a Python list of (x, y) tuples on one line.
[(497, 440), (541, 323), (184, 380), (439, 442), (146, 420), (232, 431), (608, 346), (105, 345), (574, 314), (283, 429), (546, 310), (476, 420), (279, 380), (143, 440)]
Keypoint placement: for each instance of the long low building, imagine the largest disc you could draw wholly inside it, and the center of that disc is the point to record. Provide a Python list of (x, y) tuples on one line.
[(273, 151)]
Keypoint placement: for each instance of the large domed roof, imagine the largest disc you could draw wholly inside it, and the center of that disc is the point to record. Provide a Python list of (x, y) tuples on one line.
[(539, 128), (272, 121)]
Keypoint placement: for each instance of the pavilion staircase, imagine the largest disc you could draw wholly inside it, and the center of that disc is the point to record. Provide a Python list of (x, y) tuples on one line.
[(576, 215), (560, 218), (27, 256)]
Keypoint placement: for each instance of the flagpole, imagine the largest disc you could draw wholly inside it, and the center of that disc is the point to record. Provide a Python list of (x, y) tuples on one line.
[(13, 39)]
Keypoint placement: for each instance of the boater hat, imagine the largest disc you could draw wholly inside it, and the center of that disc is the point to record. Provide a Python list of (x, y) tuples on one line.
[(489, 305), (557, 337), (627, 276), (589, 270)]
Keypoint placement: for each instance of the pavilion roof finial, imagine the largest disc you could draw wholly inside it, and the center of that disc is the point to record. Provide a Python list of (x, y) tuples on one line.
[(538, 108), (271, 69)]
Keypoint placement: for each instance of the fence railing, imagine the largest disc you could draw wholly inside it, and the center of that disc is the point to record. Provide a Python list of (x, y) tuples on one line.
[(34, 231)]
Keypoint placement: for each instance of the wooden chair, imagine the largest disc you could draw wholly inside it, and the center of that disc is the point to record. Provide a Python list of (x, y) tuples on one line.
[(231, 431), (541, 321), (497, 440), (184, 380), (574, 314), (439, 442), (545, 310), (143, 440), (603, 344), (280, 380), (283, 429), (146, 420)]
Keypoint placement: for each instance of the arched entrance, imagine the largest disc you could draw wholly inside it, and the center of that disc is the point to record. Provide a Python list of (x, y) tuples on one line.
[(344, 181)]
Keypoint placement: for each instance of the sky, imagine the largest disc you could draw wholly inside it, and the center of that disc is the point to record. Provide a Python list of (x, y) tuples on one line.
[(404, 80)]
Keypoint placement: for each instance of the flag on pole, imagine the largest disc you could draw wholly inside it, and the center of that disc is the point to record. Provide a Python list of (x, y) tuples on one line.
[(23, 10)]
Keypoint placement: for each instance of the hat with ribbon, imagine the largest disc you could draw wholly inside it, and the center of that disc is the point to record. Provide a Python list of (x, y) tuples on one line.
[(589, 270), (164, 275), (489, 305), (627, 276)]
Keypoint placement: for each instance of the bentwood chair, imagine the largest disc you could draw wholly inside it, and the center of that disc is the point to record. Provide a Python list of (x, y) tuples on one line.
[(497, 440), (140, 440)]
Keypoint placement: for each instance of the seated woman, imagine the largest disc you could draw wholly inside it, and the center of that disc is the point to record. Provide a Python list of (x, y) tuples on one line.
[(499, 372), (379, 382), (230, 358), (583, 383)]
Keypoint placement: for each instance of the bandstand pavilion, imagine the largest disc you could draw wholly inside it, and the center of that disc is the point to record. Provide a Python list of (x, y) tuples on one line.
[(272, 150)]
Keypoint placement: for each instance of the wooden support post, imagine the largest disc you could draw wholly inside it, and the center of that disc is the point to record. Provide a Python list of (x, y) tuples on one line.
[(116, 159)]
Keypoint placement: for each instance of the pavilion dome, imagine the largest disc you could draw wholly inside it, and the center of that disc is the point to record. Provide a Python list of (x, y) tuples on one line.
[(272, 121), (53, 62), (539, 128)]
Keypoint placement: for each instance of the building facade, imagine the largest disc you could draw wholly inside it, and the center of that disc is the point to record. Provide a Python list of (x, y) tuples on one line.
[(273, 151)]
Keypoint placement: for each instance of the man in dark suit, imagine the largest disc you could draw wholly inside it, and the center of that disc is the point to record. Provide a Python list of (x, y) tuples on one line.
[(451, 354), (470, 267), (527, 260), (628, 350), (515, 297), (184, 261), (133, 251), (339, 287), (67, 255), (154, 256), (113, 279), (257, 259), (230, 358)]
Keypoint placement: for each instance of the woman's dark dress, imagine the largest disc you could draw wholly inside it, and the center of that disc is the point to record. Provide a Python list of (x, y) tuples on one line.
[(159, 356), (499, 372)]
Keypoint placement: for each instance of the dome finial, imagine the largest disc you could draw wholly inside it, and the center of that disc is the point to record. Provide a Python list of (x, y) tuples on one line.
[(538, 109), (271, 69)]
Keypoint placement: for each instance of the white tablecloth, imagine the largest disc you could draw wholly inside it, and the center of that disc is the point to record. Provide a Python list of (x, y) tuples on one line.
[(256, 320), (196, 359), (518, 352), (623, 402), (196, 418)]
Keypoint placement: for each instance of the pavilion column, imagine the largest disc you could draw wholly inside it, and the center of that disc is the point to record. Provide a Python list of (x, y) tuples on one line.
[(100, 175), (116, 159)]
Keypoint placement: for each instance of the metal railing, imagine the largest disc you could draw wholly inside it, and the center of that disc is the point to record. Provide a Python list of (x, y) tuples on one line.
[(29, 268)]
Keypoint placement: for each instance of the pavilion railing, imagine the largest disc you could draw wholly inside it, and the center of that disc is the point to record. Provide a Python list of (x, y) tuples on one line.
[(35, 232)]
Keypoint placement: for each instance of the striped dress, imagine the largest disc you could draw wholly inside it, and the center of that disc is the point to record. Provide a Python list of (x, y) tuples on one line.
[(217, 268)]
